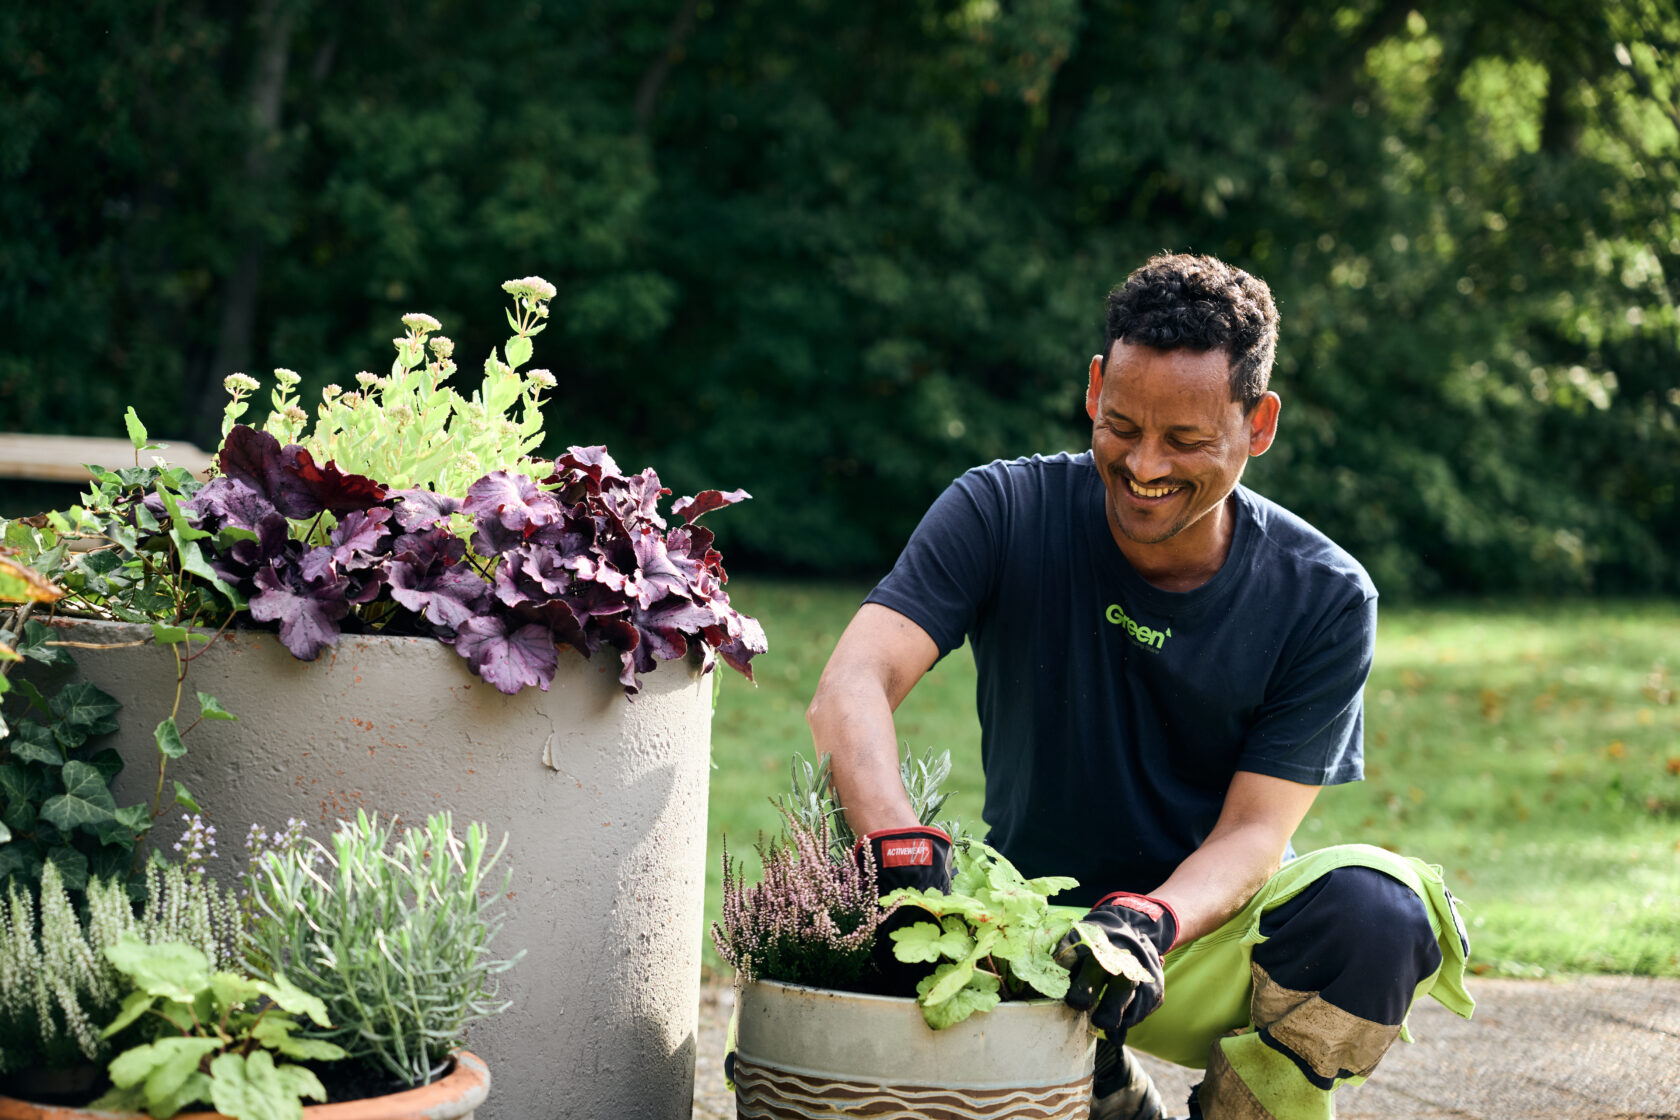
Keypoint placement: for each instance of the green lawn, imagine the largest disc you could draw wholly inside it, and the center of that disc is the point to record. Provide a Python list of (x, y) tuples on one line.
[(1532, 750)]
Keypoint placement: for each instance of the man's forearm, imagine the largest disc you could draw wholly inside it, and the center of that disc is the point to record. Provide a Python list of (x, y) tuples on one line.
[(1217, 880), (852, 723)]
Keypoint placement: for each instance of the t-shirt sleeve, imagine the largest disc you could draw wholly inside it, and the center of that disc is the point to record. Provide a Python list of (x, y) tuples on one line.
[(1311, 727), (950, 562)]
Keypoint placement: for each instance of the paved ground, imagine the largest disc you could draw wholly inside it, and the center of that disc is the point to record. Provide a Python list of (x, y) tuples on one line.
[(1596, 1048)]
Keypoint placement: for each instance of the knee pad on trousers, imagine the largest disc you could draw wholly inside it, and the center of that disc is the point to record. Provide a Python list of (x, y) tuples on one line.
[(1357, 937)]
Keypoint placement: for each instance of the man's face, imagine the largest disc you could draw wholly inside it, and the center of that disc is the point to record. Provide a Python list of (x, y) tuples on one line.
[(1171, 443)]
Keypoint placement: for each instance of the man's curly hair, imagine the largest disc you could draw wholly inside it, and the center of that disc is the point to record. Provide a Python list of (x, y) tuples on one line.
[(1184, 301)]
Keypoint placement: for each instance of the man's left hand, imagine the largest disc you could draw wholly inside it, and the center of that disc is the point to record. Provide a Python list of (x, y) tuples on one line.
[(1145, 927)]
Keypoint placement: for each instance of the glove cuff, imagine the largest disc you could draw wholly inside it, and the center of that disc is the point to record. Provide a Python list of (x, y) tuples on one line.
[(915, 846), (917, 856), (1158, 910)]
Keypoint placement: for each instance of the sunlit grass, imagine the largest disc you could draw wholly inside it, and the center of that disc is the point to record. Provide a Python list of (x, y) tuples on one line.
[(1533, 752)]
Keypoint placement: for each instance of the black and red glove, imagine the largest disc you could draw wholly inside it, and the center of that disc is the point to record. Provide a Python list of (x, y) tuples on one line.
[(917, 857), (1144, 926)]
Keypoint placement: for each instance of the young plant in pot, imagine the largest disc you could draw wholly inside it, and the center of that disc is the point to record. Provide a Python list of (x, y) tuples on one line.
[(358, 967), (813, 1034)]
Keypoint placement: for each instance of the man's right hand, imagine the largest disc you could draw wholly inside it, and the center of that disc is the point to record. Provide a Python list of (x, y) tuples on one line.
[(1144, 927), (918, 857)]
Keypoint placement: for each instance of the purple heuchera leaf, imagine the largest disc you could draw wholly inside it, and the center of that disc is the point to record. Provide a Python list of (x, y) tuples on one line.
[(222, 503), (593, 467), (421, 509), (508, 658), (513, 501), (360, 539), (307, 611), (290, 478), (704, 502)]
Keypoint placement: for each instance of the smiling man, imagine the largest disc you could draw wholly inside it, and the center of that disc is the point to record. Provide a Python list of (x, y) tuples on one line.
[(1170, 667)]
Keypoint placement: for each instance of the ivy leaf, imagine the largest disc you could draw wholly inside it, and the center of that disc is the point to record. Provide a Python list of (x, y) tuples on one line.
[(136, 430), (165, 635), (168, 738), (508, 659), (86, 799), (33, 696), (211, 708), (87, 708), (33, 743), (33, 645), (185, 799), (19, 859), (72, 866)]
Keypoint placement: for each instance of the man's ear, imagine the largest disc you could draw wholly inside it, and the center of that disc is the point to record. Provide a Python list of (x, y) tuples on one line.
[(1263, 422), (1094, 390)]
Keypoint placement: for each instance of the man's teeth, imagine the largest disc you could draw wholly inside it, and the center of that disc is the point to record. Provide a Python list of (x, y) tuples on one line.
[(1150, 491)]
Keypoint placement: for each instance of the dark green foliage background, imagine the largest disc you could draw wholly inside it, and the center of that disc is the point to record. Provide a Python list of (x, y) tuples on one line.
[(836, 251)]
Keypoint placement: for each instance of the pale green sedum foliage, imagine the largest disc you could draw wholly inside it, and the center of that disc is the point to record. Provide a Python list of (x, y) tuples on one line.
[(409, 429), (57, 988), (391, 931)]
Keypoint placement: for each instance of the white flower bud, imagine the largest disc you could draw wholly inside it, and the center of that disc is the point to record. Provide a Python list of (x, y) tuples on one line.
[(419, 321), (239, 383)]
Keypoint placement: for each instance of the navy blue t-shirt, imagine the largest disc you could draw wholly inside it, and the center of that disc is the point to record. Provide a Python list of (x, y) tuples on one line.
[(1114, 714)]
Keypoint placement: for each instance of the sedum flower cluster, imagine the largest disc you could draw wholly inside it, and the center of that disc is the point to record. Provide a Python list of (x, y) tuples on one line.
[(810, 920)]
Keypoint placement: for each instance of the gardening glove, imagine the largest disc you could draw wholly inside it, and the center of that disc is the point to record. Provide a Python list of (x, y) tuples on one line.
[(1145, 927), (918, 857)]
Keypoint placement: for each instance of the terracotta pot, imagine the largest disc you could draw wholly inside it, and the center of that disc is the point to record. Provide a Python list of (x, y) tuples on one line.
[(603, 800), (814, 1054), (453, 1097)]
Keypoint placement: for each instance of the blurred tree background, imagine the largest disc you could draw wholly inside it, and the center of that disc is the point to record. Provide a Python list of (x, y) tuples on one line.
[(836, 251)]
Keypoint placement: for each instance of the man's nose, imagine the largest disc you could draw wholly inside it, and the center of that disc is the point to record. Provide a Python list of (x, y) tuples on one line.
[(1147, 461)]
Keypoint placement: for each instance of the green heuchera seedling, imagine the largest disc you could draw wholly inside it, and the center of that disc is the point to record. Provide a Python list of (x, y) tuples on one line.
[(215, 1036), (995, 940)]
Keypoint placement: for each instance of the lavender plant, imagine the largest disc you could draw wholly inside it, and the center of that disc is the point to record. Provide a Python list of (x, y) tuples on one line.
[(813, 799), (391, 930), (810, 920)]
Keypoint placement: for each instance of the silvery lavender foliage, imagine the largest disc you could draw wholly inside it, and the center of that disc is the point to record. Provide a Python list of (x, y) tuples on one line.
[(810, 920)]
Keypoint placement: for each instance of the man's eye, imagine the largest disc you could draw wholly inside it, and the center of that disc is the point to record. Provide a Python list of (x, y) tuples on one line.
[(1188, 444)]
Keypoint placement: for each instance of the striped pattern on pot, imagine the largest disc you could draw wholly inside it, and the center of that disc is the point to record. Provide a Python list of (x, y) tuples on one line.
[(764, 1093)]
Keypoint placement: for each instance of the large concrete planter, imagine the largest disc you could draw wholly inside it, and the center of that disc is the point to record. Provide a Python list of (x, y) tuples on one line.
[(452, 1097), (813, 1054), (604, 801)]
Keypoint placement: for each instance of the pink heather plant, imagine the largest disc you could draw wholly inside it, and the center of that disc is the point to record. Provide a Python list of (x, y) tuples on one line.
[(810, 920)]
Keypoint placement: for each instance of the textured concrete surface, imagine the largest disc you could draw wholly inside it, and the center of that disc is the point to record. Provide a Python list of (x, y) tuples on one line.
[(1591, 1048), (603, 801)]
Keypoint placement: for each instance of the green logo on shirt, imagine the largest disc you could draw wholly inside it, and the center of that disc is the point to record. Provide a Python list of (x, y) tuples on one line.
[(1143, 635)]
